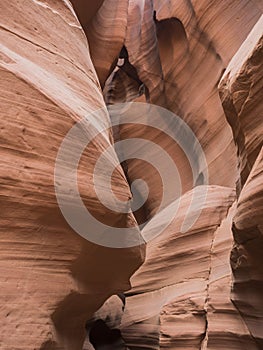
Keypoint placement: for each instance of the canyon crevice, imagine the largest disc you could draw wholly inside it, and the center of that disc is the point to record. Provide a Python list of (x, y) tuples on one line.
[(63, 62)]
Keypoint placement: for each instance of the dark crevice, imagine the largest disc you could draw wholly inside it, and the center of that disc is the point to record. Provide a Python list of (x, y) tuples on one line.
[(127, 67), (102, 337), (124, 84)]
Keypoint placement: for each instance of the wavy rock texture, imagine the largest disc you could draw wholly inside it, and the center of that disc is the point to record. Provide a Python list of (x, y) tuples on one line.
[(241, 94), (247, 254), (52, 280), (179, 56), (240, 90), (174, 314), (172, 53), (106, 33), (166, 307), (180, 296), (189, 306)]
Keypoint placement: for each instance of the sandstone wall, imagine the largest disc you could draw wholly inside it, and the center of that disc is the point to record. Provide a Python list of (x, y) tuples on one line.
[(199, 289)]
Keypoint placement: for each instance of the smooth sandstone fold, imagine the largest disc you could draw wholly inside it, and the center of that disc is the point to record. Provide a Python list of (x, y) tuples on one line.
[(52, 280)]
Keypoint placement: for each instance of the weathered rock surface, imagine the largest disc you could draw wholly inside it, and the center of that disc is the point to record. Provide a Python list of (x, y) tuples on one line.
[(241, 93), (168, 310), (240, 90), (179, 55), (52, 280), (172, 53), (195, 43)]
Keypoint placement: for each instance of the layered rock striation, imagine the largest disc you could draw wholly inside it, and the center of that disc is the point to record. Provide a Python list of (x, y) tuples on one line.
[(62, 63), (52, 279)]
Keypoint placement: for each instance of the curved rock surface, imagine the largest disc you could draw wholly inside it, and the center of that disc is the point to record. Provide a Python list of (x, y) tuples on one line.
[(196, 289), (241, 94), (180, 55), (195, 44), (52, 280)]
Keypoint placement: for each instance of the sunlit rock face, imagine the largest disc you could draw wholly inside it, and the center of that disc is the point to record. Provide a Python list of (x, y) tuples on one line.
[(60, 62)]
